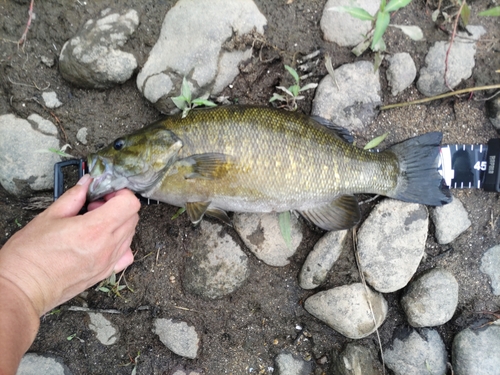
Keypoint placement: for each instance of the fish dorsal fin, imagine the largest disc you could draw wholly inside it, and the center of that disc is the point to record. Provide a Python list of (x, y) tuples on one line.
[(209, 166), (196, 210), (219, 214), (342, 213), (342, 132)]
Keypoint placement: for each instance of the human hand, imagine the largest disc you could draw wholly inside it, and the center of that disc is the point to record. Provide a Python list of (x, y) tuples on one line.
[(59, 254)]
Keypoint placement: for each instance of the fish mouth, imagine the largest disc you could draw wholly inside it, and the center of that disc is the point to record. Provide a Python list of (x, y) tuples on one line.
[(104, 180)]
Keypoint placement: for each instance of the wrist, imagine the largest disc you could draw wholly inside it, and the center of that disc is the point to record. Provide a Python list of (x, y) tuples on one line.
[(19, 323)]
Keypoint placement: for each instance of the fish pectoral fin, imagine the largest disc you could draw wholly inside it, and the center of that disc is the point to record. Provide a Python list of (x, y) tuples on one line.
[(196, 210), (342, 213), (219, 214), (209, 166)]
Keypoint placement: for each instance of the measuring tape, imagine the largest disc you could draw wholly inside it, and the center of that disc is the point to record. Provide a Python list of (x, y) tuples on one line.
[(462, 167), (471, 166)]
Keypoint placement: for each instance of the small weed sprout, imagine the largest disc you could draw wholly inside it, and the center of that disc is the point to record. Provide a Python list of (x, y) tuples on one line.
[(185, 103), (375, 142), (380, 21), (112, 286), (492, 12), (292, 92), (62, 152)]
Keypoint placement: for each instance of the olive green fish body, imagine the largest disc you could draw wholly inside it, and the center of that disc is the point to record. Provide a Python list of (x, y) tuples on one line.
[(260, 159), (276, 161)]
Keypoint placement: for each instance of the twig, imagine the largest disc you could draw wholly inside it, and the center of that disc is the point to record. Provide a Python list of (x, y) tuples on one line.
[(87, 309), (358, 263), (30, 17), (451, 43), (442, 96)]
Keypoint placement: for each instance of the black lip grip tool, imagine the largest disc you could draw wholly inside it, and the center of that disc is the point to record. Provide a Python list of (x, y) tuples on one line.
[(471, 166), (59, 174)]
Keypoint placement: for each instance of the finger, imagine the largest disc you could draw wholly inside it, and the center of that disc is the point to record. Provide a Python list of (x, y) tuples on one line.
[(72, 201), (126, 260), (93, 205), (115, 212)]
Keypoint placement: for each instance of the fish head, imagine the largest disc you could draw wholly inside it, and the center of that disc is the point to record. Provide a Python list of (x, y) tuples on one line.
[(135, 161)]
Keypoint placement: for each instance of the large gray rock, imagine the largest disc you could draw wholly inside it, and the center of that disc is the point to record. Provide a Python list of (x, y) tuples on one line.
[(194, 42), (391, 244), (476, 351), (179, 337), (217, 266), (460, 62), (450, 220), (93, 59), (417, 354), (490, 265), (35, 364), (401, 72), (351, 99), (431, 299), (262, 235), (288, 364), (321, 259), (347, 309), (356, 360), (342, 28), (25, 162)]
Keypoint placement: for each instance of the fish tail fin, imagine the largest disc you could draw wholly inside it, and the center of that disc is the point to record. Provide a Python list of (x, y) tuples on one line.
[(419, 180)]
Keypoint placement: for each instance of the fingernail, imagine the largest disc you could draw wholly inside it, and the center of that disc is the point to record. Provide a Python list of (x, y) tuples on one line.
[(84, 179)]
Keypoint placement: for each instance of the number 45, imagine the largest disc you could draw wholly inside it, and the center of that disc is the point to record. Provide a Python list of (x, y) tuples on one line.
[(480, 166)]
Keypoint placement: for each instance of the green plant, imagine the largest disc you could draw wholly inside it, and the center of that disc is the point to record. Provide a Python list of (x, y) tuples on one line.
[(62, 152), (286, 227), (179, 212), (292, 92), (185, 103), (492, 12), (380, 21), (375, 142), (112, 286)]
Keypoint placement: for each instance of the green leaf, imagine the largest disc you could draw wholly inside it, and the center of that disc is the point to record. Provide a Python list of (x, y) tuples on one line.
[(285, 90), (414, 32), (375, 142), (435, 15), (492, 12), (377, 60), (71, 337), (104, 289), (294, 90), (112, 279), (465, 14), (185, 112), (361, 47), (179, 212), (380, 27), (186, 90), (309, 86), (293, 72), (286, 227), (205, 102), (396, 4), (179, 101), (380, 46), (277, 97), (358, 13)]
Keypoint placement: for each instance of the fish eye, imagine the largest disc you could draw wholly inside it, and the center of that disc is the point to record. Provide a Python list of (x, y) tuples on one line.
[(118, 144)]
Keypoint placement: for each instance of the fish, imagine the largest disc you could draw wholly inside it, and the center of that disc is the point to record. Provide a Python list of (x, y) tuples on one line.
[(263, 159)]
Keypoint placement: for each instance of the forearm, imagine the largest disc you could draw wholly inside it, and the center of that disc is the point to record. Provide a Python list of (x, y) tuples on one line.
[(19, 324)]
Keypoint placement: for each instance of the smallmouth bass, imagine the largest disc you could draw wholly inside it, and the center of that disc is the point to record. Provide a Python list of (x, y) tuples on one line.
[(261, 159)]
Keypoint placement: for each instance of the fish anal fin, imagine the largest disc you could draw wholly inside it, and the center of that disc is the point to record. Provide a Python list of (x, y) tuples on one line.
[(196, 210), (208, 166), (219, 214), (341, 213)]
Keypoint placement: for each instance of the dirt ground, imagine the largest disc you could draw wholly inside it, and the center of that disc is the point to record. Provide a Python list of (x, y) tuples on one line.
[(243, 332)]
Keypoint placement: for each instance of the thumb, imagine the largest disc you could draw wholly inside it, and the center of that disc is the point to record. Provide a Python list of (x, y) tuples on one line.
[(72, 201)]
